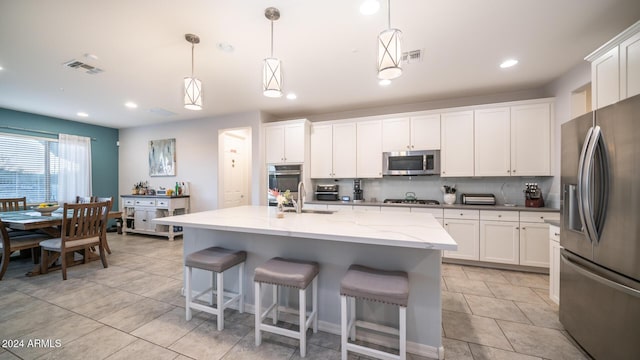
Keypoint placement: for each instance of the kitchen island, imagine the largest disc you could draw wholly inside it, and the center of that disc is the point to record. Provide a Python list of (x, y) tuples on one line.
[(411, 242)]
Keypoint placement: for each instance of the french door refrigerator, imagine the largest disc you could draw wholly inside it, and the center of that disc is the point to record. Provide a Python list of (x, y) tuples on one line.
[(600, 230)]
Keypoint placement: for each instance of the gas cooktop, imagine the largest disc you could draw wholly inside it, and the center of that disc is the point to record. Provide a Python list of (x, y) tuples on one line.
[(416, 201)]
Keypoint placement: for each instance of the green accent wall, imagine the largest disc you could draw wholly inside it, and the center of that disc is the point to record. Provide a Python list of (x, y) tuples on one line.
[(104, 149)]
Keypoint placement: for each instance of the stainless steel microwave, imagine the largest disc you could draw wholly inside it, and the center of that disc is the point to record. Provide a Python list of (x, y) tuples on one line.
[(426, 162)]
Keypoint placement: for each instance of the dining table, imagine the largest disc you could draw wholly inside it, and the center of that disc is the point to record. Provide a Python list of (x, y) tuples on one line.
[(51, 224)]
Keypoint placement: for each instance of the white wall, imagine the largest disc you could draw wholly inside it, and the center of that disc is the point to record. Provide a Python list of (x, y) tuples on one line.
[(196, 156), (561, 89)]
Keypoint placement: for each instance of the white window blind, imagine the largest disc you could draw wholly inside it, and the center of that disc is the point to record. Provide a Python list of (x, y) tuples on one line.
[(29, 167)]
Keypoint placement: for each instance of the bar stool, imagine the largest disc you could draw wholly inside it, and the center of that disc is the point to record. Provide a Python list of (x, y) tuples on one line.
[(216, 260), (294, 274), (389, 287)]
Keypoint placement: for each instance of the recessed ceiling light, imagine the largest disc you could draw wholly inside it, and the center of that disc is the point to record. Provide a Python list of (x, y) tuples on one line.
[(131, 105), (384, 82), (508, 63), (369, 7), (226, 47), (82, 114), (1, 68), (292, 96)]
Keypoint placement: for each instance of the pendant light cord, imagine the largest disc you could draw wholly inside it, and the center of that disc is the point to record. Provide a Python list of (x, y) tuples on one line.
[(389, 14), (271, 38), (192, 46)]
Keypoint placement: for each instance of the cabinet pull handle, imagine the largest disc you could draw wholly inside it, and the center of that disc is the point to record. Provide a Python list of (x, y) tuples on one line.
[(556, 234), (508, 171), (513, 170), (541, 217), (499, 215), (524, 228)]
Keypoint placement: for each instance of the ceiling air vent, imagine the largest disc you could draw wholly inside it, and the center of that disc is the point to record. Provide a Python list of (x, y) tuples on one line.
[(79, 65), (161, 112), (412, 56)]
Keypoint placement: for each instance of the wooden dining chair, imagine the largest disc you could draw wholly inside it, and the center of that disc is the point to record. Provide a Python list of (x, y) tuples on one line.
[(85, 199), (83, 226), (11, 243), (108, 199), (13, 204)]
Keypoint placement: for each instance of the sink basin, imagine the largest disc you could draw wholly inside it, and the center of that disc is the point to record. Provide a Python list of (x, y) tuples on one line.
[(312, 211)]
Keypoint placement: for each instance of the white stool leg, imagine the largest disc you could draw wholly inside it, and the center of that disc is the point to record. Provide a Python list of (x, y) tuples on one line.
[(303, 322), (241, 288), (258, 313), (275, 314), (220, 291), (213, 289), (343, 325), (187, 291), (352, 320), (314, 308), (403, 333)]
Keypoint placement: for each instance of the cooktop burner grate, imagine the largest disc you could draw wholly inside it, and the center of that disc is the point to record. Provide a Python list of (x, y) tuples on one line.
[(416, 201)]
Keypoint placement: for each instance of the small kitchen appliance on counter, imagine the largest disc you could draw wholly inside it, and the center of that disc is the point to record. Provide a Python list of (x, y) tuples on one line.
[(358, 195), (533, 196), (478, 199), (327, 192)]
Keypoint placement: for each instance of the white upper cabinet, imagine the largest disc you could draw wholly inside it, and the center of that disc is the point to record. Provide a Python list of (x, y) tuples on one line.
[(333, 151), (285, 143), (369, 149), (615, 68), (456, 155), (531, 140), (411, 133), (492, 142)]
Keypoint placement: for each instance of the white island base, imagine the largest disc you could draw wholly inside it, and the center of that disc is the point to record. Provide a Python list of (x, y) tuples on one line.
[(409, 242)]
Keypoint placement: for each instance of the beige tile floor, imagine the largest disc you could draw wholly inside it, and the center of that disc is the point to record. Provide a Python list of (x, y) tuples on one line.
[(134, 310)]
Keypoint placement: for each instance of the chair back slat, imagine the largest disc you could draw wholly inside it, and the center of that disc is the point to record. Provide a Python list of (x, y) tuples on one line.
[(85, 199), (84, 223), (13, 204)]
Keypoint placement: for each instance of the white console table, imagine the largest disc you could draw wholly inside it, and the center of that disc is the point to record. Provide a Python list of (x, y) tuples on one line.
[(139, 210)]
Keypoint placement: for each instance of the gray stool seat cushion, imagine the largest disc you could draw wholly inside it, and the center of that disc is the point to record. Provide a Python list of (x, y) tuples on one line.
[(390, 287), (215, 259), (286, 272)]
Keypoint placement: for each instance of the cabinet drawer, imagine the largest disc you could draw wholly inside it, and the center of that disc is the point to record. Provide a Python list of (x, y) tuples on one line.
[(437, 213), (538, 216), (554, 233), (394, 209), (145, 202), (129, 202), (164, 203), (461, 214), (499, 215)]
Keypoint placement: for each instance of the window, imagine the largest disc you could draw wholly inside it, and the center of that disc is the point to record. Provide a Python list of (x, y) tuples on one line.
[(29, 167)]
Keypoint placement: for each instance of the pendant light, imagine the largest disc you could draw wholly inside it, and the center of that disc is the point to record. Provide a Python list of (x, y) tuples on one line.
[(271, 71), (389, 51), (192, 86)]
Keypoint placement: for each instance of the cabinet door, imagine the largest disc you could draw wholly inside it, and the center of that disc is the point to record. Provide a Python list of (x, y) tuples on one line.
[(499, 242), (630, 67), (531, 140), (143, 219), (395, 134), (274, 140), (465, 233), (369, 149), (456, 155), (554, 271), (605, 81), (425, 132), (344, 150), (294, 143), (534, 244), (492, 140), (321, 151)]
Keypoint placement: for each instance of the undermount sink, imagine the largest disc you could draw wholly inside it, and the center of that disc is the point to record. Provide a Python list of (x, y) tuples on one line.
[(312, 211)]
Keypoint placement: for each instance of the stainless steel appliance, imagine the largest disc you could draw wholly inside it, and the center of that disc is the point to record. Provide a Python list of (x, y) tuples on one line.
[(411, 201), (426, 162), (478, 199), (283, 178), (327, 192), (358, 195), (600, 230)]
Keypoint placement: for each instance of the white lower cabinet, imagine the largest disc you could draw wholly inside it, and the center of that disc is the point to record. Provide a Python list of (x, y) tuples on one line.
[(554, 263), (463, 226), (436, 212), (499, 237), (534, 244), (394, 209)]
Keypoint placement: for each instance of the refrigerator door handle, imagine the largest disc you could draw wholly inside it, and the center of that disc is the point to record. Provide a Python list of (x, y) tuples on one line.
[(609, 283), (581, 190), (594, 218)]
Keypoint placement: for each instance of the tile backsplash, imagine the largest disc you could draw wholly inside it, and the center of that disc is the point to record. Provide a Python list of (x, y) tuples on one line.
[(506, 189)]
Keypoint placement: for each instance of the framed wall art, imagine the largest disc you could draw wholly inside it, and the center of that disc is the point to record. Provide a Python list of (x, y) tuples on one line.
[(162, 157)]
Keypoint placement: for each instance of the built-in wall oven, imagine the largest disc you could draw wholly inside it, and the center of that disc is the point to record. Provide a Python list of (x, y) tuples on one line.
[(283, 178)]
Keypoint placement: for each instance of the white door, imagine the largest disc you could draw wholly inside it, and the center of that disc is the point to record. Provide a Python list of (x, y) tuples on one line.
[(492, 142), (274, 143), (395, 134), (630, 67), (234, 167), (344, 150), (499, 242), (321, 155), (534, 244), (531, 140), (294, 143), (465, 233), (425, 132), (369, 149), (605, 75), (456, 156)]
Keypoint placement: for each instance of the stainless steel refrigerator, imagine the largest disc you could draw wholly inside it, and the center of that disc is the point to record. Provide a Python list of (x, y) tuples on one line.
[(600, 230)]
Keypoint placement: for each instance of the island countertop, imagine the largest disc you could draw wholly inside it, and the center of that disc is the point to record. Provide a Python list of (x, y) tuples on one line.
[(408, 230)]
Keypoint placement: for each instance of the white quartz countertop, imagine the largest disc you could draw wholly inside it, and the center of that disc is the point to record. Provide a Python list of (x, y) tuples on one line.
[(410, 230)]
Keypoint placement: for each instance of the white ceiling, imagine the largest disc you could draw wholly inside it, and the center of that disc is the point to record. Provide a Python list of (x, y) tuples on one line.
[(328, 50)]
